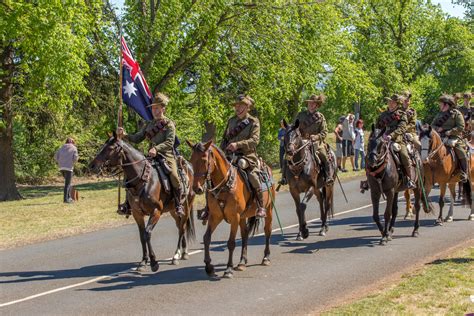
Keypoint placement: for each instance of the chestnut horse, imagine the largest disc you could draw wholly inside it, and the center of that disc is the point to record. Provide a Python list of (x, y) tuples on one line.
[(304, 176), (147, 197), (440, 167), (229, 199)]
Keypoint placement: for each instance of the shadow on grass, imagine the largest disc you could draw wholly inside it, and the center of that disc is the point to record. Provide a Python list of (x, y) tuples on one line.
[(41, 191), (453, 260)]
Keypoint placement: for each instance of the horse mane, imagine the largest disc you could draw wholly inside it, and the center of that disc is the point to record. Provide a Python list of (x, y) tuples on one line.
[(138, 155)]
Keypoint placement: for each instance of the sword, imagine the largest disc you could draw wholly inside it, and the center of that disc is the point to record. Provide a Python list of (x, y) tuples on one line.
[(274, 207), (342, 189)]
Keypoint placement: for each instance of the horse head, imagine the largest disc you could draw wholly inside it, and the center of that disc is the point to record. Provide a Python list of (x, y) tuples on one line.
[(430, 140), (293, 139), (109, 156), (200, 160), (376, 147)]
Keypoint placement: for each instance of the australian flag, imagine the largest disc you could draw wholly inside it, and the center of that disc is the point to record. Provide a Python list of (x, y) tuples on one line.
[(135, 91)]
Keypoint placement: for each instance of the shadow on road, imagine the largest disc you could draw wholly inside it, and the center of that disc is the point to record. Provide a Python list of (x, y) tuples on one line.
[(311, 247)]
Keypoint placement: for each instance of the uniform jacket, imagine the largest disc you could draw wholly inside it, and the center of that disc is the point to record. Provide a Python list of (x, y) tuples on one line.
[(395, 124), (451, 120), (161, 133), (246, 139), (310, 127)]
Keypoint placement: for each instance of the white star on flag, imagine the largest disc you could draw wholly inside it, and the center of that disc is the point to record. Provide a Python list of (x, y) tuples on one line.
[(129, 89)]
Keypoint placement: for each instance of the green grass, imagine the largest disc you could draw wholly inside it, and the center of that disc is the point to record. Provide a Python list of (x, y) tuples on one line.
[(442, 287)]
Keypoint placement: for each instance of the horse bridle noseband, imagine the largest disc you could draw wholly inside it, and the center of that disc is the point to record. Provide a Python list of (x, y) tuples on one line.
[(207, 174)]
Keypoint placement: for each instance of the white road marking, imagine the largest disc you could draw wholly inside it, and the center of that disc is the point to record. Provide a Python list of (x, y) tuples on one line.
[(168, 259)]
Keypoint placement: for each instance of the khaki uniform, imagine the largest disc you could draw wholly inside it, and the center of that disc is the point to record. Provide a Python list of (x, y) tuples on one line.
[(161, 133), (396, 124), (245, 133), (315, 124), (411, 126), (452, 121), (468, 121)]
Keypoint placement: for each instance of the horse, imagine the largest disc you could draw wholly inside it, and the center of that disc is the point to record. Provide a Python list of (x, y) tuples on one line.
[(440, 167), (230, 199), (303, 175), (147, 197), (383, 179)]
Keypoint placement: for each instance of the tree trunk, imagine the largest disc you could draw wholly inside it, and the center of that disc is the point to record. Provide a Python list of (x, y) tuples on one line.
[(210, 132), (8, 190)]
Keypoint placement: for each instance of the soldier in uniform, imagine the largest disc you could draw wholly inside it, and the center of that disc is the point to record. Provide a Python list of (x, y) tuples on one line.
[(240, 140), (450, 123), (466, 111), (161, 133), (411, 119), (394, 120), (313, 127)]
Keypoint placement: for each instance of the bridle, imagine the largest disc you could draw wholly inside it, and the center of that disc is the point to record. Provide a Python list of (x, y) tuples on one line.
[(432, 153), (210, 168), (296, 151), (380, 162)]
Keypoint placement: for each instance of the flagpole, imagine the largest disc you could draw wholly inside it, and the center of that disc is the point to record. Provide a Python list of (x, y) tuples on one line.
[(119, 114)]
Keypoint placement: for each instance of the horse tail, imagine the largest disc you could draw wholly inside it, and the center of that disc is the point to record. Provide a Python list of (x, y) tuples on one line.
[(467, 191), (253, 224), (190, 228)]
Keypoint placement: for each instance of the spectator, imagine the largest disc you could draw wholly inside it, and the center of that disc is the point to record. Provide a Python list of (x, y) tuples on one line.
[(66, 156), (338, 133), (359, 145), (281, 137), (348, 137)]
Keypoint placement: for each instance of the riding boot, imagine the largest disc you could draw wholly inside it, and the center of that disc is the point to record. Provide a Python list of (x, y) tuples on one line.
[(328, 174), (283, 180), (463, 165), (124, 209), (410, 184), (261, 211), (203, 214), (177, 202)]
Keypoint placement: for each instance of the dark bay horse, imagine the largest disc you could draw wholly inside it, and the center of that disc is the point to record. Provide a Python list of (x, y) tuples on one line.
[(384, 179), (229, 199), (439, 167), (147, 197), (303, 175)]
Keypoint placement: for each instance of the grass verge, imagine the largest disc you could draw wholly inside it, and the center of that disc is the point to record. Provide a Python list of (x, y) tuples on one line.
[(442, 287)]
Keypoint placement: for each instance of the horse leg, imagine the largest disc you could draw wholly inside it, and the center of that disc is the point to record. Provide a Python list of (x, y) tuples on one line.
[(387, 216), (298, 205), (148, 229), (409, 208), (452, 190), (180, 222), (140, 220), (234, 226), (211, 226), (268, 233), (323, 206), (394, 216), (442, 192), (375, 197), (418, 196), (244, 233)]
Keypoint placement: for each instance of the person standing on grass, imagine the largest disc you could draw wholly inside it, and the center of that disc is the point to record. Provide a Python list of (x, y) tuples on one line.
[(359, 145), (348, 137), (338, 134), (281, 138), (66, 157)]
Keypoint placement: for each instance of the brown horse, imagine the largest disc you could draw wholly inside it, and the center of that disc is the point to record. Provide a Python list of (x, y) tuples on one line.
[(229, 199), (304, 176), (439, 167), (147, 197)]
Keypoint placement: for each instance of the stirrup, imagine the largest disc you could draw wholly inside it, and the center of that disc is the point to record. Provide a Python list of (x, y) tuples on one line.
[(123, 209), (463, 177), (180, 210), (261, 212), (203, 214), (411, 185), (283, 181)]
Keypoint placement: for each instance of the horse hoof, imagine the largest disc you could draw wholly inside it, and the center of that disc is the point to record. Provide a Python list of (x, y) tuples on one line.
[(265, 262), (322, 233), (185, 256), (240, 267), (299, 238), (228, 275), (383, 241), (305, 233), (448, 219), (471, 217), (439, 222), (415, 234), (141, 268), (155, 267), (175, 262), (389, 238), (210, 270)]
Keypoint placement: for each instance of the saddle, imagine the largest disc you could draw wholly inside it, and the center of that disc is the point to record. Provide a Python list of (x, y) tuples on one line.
[(164, 171)]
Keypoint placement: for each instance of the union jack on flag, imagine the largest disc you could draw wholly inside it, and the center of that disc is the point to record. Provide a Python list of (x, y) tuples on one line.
[(135, 91)]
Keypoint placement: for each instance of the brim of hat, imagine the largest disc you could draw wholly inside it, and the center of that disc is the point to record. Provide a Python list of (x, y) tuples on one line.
[(149, 106), (314, 101), (388, 99), (241, 102)]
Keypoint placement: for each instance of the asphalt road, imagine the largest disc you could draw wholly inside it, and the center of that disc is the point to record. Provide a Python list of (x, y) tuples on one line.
[(92, 273)]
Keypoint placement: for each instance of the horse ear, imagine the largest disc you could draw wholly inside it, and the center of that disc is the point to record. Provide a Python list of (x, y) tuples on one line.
[(189, 143), (285, 124), (114, 134), (429, 129), (373, 128), (109, 134), (208, 144), (297, 124)]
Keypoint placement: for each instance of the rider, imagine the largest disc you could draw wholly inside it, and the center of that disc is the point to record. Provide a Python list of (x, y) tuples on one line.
[(411, 119), (450, 123), (394, 120), (241, 138), (313, 127), (161, 133)]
